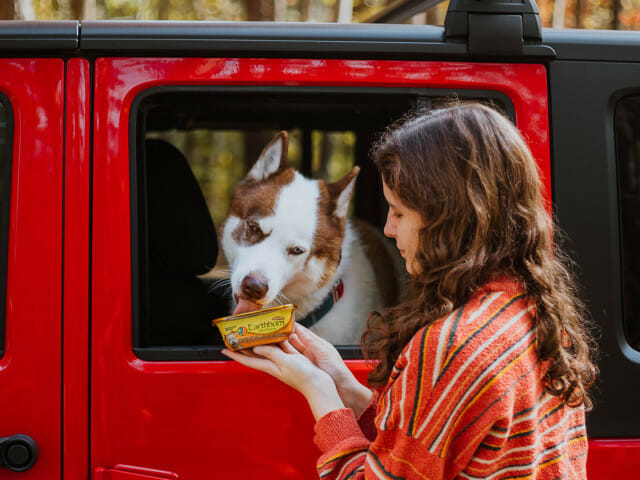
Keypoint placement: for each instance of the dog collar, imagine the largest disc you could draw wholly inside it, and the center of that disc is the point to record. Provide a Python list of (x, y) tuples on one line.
[(330, 300)]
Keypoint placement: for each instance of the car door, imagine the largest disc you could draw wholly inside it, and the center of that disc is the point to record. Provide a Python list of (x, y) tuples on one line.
[(182, 411), (596, 94), (31, 175)]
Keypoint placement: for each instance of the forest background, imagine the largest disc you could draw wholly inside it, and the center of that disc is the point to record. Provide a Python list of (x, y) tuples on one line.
[(592, 14)]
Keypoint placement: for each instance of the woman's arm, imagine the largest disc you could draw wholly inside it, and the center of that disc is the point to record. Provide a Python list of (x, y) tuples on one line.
[(324, 355)]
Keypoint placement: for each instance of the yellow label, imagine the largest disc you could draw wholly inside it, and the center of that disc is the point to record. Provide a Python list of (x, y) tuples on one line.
[(249, 329), (260, 325)]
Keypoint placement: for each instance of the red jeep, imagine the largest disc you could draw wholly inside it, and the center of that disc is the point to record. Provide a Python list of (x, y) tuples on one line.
[(119, 144)]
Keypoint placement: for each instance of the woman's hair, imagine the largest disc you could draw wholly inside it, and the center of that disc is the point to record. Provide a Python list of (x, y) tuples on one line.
[(468, 172)]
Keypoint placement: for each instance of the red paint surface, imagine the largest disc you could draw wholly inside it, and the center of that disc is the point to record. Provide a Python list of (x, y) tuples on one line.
[(75, 398), (218, 419), (30, 369), (613, 459)]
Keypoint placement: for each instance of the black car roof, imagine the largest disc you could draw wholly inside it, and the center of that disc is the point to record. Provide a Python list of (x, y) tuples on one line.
[(326, 40)]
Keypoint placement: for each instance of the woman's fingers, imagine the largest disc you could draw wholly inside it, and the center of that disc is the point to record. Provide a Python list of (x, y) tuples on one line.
[(294, 340), (311, 342), (306, 335), (289, 346)]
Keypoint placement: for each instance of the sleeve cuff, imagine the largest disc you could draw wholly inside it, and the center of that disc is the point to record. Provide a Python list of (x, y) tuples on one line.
[(335, 427), (366, 420)]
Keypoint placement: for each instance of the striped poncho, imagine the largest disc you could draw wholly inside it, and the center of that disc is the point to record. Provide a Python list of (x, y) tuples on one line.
[(465, 400)]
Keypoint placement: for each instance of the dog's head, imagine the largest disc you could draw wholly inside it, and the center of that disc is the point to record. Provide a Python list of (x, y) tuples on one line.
[(284, 232)]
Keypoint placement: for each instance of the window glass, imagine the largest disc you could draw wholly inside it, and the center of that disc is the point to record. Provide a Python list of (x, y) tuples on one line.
[(627, 127), (5, 182), (194, 146)]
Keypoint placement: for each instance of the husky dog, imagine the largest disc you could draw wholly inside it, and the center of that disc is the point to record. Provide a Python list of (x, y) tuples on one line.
[(288, 240)]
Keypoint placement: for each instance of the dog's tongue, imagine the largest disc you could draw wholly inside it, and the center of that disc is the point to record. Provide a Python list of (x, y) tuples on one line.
[(245, 306)]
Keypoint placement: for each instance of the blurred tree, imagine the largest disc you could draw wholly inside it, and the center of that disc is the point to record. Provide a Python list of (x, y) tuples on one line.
[(629, 16), (7, 10), (578, 14), (83, 9), (24, 9), (601, 14), (304, 10), (345, 11), (615, 14), (163, 9), (559, 9), (259, 10)]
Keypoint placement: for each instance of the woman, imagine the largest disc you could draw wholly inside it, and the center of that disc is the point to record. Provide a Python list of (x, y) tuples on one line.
[(484, 372)]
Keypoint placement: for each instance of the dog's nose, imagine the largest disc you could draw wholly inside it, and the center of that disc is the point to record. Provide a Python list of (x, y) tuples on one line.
[(254, 286)]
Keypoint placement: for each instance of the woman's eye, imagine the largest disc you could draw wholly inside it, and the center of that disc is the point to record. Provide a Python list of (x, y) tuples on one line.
[(394, 213), (295, 251)]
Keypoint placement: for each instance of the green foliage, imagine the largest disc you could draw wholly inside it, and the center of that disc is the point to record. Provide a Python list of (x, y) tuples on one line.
[(578, 13), (219, 158)]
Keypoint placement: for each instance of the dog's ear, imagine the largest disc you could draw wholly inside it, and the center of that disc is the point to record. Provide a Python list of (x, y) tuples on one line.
[(272, 159), (342, 190)]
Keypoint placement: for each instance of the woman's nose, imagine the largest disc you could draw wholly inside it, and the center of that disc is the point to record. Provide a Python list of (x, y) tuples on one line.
[(389, 228)]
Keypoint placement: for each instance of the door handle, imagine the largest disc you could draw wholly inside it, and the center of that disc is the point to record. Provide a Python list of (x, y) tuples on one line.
[(18, 452)]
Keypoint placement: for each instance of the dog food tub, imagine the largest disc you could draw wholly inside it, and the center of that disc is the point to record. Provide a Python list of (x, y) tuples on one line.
[(260, 327)]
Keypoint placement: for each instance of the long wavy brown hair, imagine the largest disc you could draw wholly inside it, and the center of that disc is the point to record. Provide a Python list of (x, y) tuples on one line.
[(465, 168)]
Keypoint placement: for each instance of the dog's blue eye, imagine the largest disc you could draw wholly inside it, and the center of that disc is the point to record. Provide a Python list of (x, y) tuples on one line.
[(296, 251)]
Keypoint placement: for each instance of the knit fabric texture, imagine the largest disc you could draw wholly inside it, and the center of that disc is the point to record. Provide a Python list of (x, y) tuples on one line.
[(465, 400)]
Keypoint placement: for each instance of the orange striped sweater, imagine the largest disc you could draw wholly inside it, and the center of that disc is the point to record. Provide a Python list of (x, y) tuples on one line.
[(465, 400)]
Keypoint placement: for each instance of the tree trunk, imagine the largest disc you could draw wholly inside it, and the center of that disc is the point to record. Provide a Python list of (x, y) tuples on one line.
[(280, 10), (431, 16), (305, 10), (83, 9), (199, 8), (100, 9), (90, 9), (7, 10), (615, 11), (145, 10), (345, 11), (163, 9), (559, 10), (259, 10), (25, 10), (77, 9)]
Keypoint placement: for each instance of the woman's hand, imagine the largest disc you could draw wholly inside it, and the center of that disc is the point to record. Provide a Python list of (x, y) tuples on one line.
[(288, 365), (325, 356)]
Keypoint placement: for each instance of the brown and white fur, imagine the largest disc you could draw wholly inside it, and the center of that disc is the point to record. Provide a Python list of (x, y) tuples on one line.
[(288, 240)]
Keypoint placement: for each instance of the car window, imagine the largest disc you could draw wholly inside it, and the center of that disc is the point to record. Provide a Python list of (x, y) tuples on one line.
[(627, 131), (5, 183), (192, 148)]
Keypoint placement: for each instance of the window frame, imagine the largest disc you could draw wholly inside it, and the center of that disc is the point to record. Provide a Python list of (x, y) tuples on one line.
[(136, 140), (626, 315), (6, 170)]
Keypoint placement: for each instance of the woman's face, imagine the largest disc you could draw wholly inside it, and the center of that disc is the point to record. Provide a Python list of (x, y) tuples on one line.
[(403, 225)]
